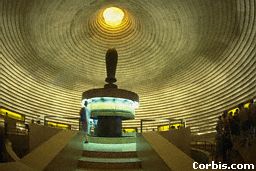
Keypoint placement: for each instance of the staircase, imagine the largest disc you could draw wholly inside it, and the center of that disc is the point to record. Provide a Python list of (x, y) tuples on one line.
[(109, 157), (109, 160)]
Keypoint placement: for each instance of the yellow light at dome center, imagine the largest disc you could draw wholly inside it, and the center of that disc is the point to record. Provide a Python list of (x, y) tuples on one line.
[(113, 16)]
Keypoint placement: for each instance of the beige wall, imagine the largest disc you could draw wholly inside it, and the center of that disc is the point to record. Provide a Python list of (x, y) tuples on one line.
[(151, 161), (39, 134), (41, 156), (181, 138), (173, 157)]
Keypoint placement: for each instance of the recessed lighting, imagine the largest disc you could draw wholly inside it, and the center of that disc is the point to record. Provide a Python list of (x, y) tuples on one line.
[(113, 16)]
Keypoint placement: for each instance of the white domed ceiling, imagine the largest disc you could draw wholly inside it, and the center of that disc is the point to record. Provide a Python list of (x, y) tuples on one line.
[(185, 59)]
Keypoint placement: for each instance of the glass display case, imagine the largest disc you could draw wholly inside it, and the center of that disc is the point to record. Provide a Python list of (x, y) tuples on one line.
[(58, 125), (21, 128), (92, 127)]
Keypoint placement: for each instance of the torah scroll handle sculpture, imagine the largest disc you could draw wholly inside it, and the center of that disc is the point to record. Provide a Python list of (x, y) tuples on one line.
[(111, 63)]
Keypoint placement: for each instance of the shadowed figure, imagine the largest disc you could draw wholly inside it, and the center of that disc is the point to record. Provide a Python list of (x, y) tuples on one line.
[(84, 121)]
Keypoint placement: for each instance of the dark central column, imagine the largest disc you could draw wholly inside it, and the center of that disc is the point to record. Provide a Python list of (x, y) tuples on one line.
[(109, 126)]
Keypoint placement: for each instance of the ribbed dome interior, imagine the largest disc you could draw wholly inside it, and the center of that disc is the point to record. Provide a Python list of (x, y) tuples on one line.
[(189, 59)]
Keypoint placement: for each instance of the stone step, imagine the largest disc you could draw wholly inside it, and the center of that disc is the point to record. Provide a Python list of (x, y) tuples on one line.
[(109, 147), (109, 163), (112, 140), (101, 154)]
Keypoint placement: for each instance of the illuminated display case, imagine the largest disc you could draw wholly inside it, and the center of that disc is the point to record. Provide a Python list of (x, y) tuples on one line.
[(170, 127), (15, 122), (110, 109), (10, 114), (111, 106), (58, 125), (233, 111), (21, 128), (129, 131)]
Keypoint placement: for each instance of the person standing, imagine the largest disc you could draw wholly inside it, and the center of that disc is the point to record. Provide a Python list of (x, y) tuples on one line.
[(84, 121)]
